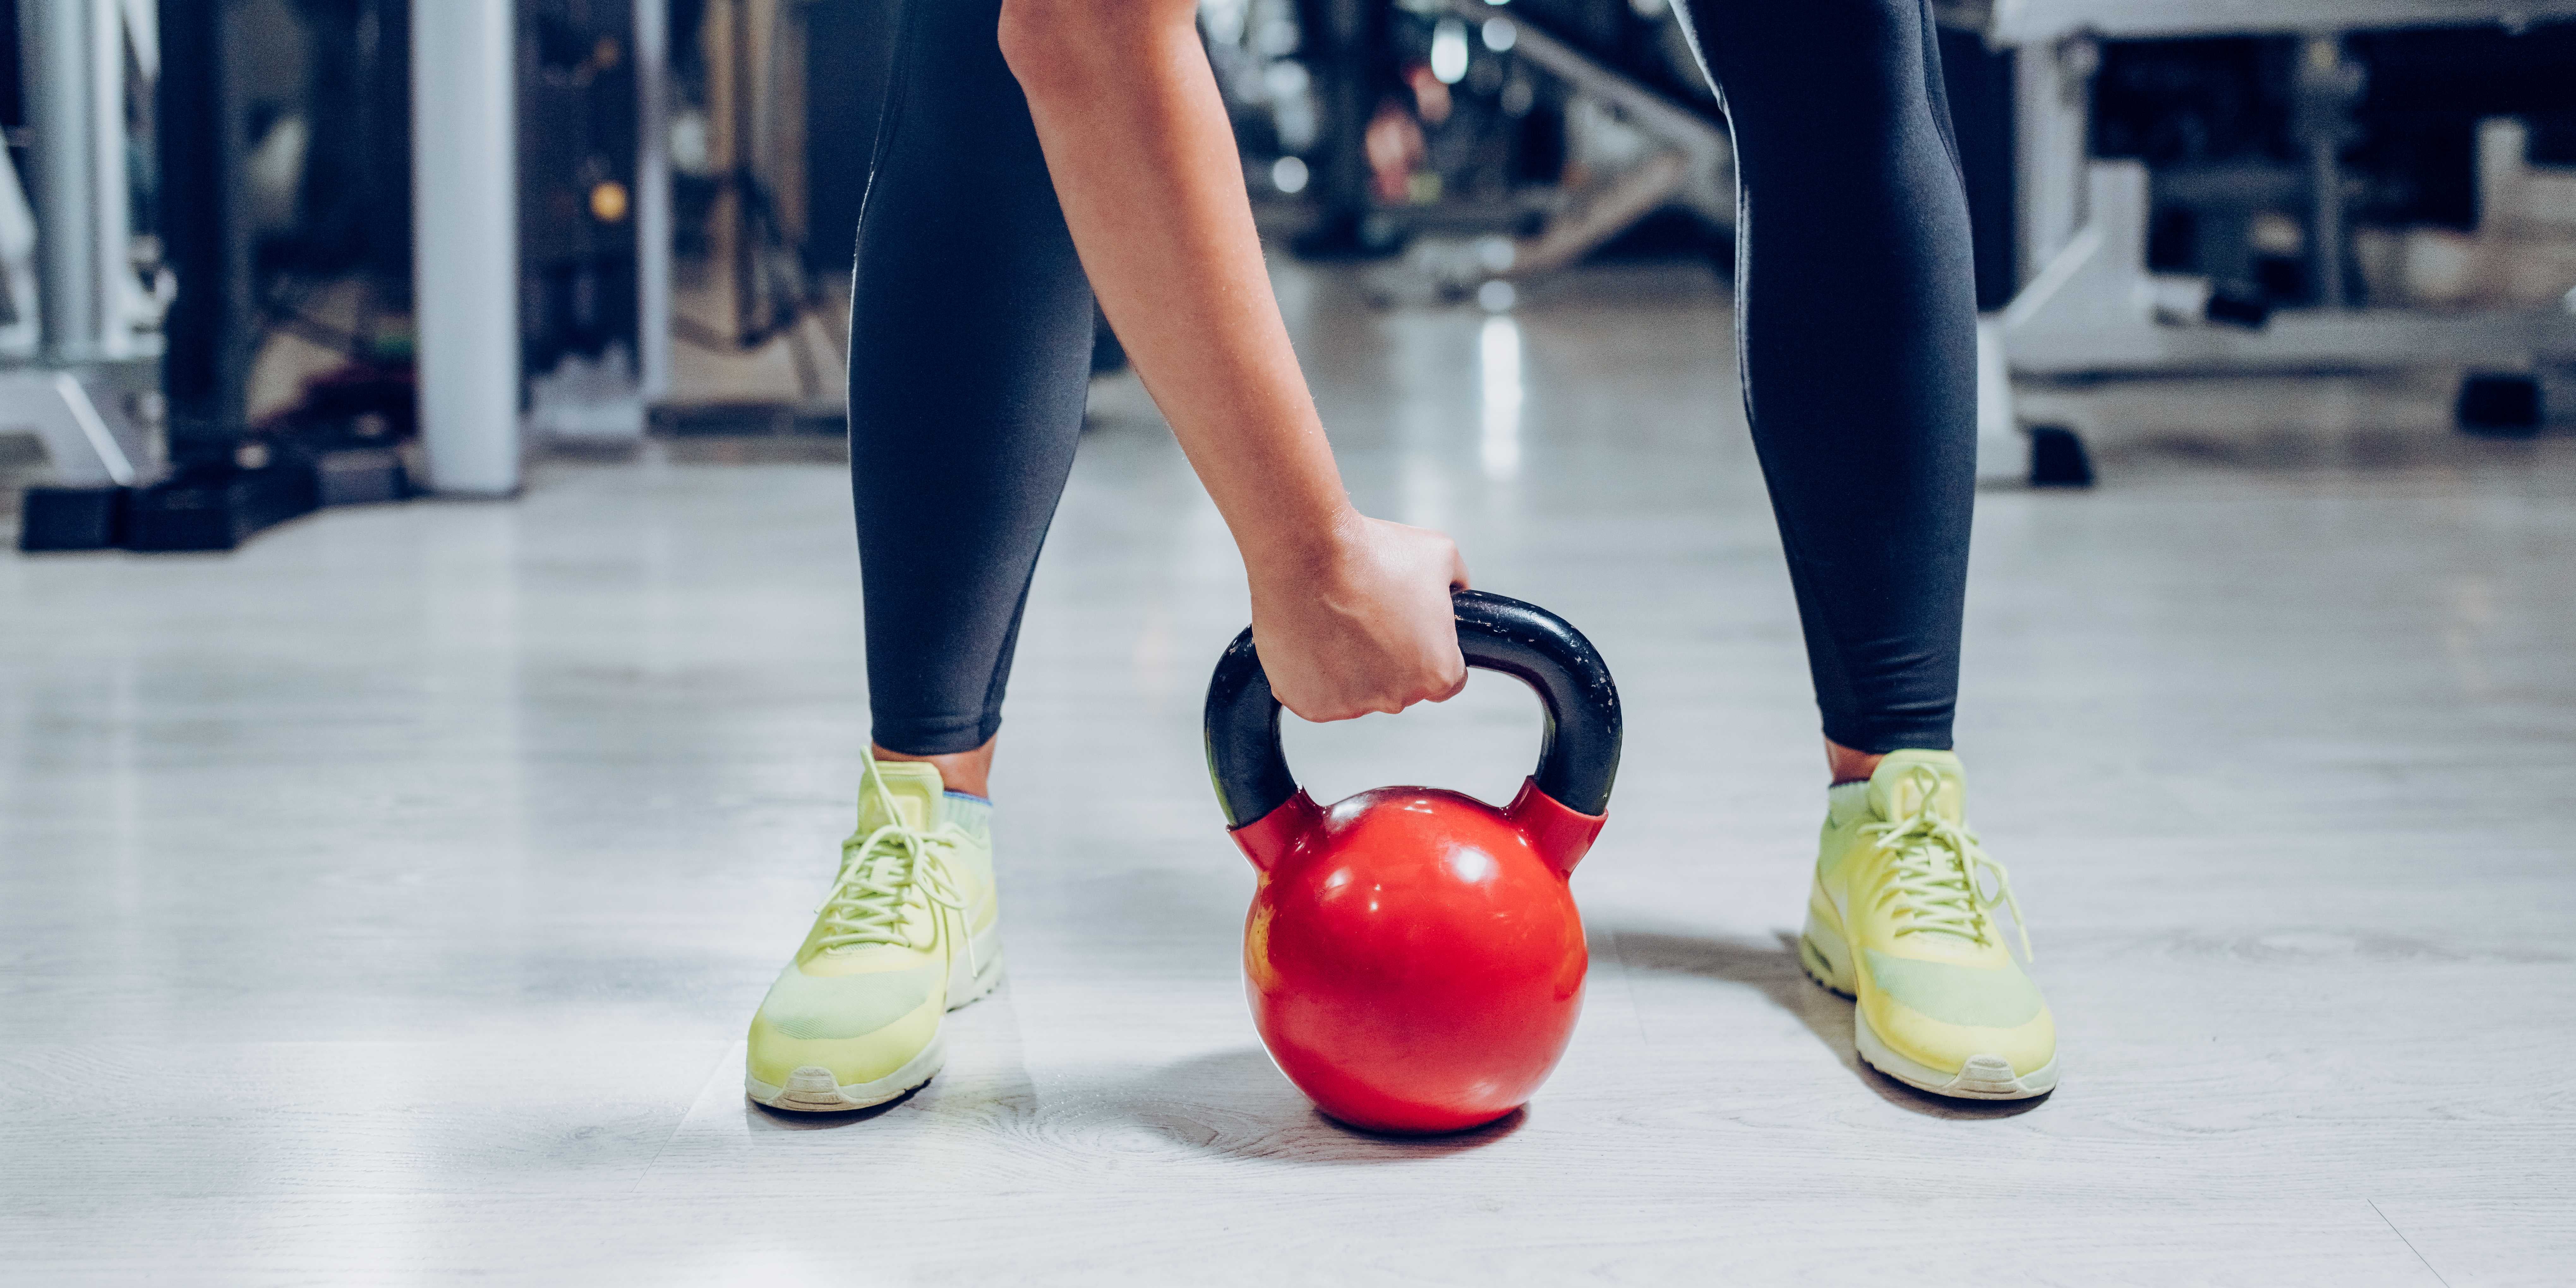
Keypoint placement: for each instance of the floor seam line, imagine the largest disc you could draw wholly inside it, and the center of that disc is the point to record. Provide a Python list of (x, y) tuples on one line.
[(677, 1127), (2410, 1243)]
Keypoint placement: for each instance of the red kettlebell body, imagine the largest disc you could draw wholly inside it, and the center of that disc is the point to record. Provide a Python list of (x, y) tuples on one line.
[(1413, 956)]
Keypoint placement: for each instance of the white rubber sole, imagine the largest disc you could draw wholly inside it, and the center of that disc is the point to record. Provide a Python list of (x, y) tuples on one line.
[(1983, 1077), (815, 1089), (1828, 961)]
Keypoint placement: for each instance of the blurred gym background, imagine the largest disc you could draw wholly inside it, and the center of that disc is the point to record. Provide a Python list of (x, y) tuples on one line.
[(385, 887), (262, 256)]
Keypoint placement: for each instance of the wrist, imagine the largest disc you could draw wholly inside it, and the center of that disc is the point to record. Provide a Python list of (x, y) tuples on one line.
[(1305, 545)]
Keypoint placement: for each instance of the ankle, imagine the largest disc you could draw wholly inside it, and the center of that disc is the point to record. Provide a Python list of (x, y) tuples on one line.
[(970, 772), (1849, 766)]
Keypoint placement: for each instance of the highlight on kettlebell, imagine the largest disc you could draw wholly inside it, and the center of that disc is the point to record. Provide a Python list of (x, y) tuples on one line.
[(1413, 955)]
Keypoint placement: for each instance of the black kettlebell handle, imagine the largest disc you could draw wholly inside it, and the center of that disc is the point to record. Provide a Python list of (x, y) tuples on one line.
[(1578, 755)]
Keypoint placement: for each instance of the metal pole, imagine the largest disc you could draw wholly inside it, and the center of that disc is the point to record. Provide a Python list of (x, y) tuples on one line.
[(57, 35), (111, 232), (205, 368), (2325, 172), (653, 198), (466, 241), (747, 321), (2328, 86)]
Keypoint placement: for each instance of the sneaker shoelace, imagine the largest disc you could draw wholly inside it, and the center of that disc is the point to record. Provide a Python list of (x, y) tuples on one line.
[(879, 871), (1938, 877)]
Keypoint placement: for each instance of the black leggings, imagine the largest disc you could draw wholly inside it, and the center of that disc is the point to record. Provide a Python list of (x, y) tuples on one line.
[(971, 327)]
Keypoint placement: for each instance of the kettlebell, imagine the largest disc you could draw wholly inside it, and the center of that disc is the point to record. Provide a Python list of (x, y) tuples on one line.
[(1413, 956)]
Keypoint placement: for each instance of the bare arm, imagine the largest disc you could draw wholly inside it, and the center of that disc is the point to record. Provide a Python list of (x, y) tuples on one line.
[(1352, 613)]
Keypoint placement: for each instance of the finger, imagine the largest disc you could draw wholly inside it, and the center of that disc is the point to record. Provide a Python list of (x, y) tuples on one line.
[(1458, 569), (1452, 679), (1455, 689), (1317, 713)]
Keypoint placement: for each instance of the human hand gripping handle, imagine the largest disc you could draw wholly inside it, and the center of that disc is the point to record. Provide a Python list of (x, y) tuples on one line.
[(1578, 748), (1364, 627)]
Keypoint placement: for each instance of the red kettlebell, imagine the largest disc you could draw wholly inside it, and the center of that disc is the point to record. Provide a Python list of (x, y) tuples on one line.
[(1413, 956)]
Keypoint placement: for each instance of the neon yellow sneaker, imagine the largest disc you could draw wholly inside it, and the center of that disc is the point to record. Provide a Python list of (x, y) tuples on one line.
[(910, 932), (1901, 921)]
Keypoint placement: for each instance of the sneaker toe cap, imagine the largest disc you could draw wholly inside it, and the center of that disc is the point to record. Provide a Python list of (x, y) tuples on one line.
[(1942, 1015), (861, 1027)]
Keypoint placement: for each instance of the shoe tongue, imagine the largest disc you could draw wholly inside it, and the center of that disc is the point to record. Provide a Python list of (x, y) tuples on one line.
[(914, 790), (1896, 790)]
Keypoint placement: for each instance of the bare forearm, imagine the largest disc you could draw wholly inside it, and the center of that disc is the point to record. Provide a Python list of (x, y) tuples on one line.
[(1144, 164), (1351, 614)]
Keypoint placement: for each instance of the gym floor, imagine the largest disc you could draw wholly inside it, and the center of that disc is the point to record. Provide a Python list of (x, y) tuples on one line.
[(384, 902)]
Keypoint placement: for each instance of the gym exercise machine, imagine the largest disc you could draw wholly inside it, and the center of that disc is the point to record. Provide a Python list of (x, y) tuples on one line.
[(1688, 159), (365, 179), (2093, 306), (83, 310), (594, 217), (774, 107), (2080, 287)]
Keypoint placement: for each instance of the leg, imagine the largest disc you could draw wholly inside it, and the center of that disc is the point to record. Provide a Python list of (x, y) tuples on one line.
[(970, 351), (970, 348), (1857, 331), (1857, 317)]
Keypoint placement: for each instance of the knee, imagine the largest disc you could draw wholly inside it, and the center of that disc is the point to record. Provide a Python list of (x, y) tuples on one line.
[(1072, 47)]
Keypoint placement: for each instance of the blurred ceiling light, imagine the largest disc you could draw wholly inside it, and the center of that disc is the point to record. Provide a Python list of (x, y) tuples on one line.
[(689, 144), (608, 202), (1286, 78), (2274, 233), (1225, 20), (276, 173), (1288, 175), (1449, 51), (1501, 35)]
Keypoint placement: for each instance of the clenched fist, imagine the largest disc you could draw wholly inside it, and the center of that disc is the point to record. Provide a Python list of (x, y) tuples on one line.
[(1365, 625)]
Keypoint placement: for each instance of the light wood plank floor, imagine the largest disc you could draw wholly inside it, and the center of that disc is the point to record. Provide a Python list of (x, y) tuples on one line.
[(383, 903)]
